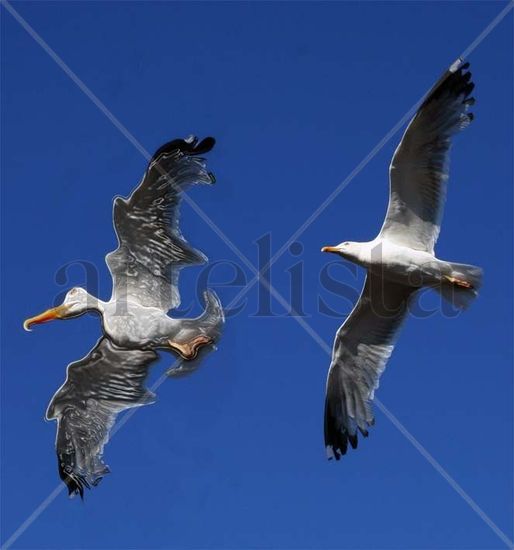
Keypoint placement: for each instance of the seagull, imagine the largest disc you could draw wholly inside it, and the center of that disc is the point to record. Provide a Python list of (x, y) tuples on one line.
[(400, 260), (145, 270)]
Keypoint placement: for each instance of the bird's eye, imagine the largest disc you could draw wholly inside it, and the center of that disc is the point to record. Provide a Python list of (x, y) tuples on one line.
[(73, 291)]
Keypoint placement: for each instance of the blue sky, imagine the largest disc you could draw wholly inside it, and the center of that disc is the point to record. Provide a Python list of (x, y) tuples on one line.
[(297, 94)]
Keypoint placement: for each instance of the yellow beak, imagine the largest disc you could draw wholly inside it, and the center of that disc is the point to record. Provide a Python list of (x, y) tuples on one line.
[(330, 249), (49, 315)]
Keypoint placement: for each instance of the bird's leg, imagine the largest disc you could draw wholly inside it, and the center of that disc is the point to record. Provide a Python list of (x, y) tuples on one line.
[(458, 282), (189, 335), (189, 350)]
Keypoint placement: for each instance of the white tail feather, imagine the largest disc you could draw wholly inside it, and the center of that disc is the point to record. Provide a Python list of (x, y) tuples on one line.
[(458, 295)]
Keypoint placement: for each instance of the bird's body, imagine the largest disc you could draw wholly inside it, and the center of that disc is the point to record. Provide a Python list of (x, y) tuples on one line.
[(399, 261), (132, 325), (145, 269)]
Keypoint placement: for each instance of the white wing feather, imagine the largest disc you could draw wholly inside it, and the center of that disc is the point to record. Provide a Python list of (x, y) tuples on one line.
[(362, 347), (420, 165)]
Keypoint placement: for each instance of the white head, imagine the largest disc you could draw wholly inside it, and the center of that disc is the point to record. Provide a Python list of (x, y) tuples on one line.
[(348, 249), (76, 302)]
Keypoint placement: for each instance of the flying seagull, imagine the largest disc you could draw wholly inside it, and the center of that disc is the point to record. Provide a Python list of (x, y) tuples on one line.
[(400, 260), (145, 270)]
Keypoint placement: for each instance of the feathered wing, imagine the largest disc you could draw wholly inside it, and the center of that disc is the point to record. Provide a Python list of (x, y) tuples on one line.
[(107, 381), (151, 248), (362, 347), (419, 169)]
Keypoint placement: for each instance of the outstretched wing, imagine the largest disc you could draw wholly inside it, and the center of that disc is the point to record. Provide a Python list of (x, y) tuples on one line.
[(107, 381), (362, 347), (419, 170), (151, 248)]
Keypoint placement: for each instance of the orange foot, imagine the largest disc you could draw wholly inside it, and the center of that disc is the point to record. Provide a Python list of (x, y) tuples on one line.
[(459, 282), (189, 350)]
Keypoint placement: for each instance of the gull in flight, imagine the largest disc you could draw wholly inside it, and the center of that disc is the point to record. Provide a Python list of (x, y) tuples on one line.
[(400, 260), (145, 270)]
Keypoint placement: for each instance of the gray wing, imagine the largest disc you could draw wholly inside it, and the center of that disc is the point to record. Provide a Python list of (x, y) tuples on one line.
[(151, 250), (362, 347), (419, 169), (107, 381)]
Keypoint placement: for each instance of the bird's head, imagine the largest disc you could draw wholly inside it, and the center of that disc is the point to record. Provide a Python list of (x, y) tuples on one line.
[(348, 250), (76, 302)]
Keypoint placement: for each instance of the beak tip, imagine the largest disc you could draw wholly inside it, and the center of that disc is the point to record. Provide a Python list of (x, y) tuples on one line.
[(333, 249), (26, 326)]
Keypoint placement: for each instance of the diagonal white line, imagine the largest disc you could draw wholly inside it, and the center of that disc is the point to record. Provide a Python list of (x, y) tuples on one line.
[(130, 137), (32, 518), (364, 162), (478, 40), (440, 470), (483, 35), (80, 84), (403, 430), (367, 159), (318, 339), (60, 488), (126, 133), (123, 129), (302, 322)]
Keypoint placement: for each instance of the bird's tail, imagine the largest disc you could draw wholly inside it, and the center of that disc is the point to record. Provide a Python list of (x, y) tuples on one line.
[(212, 319), (207, 327), (460, 284)]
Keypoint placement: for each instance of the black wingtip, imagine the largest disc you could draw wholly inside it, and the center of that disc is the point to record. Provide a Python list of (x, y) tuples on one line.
[(204, 146), (336, 441), (189, 146), (75, 482), (75, 485), (456, 81), (338, 435), (353, 440)]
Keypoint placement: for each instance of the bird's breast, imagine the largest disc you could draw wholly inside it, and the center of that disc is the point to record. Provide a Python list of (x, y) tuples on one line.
[(131, 325), (402, 264)]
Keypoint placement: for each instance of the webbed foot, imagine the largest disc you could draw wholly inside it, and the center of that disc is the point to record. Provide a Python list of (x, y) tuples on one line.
[(189, 350), (458, 282)]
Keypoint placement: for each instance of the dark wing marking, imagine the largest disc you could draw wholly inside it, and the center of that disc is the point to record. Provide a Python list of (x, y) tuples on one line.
[(151, 248), (107, 381), (362, 347), (419, 169)]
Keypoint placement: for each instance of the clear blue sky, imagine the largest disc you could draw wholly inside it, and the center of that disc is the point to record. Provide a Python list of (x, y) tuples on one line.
[(296, 94)]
